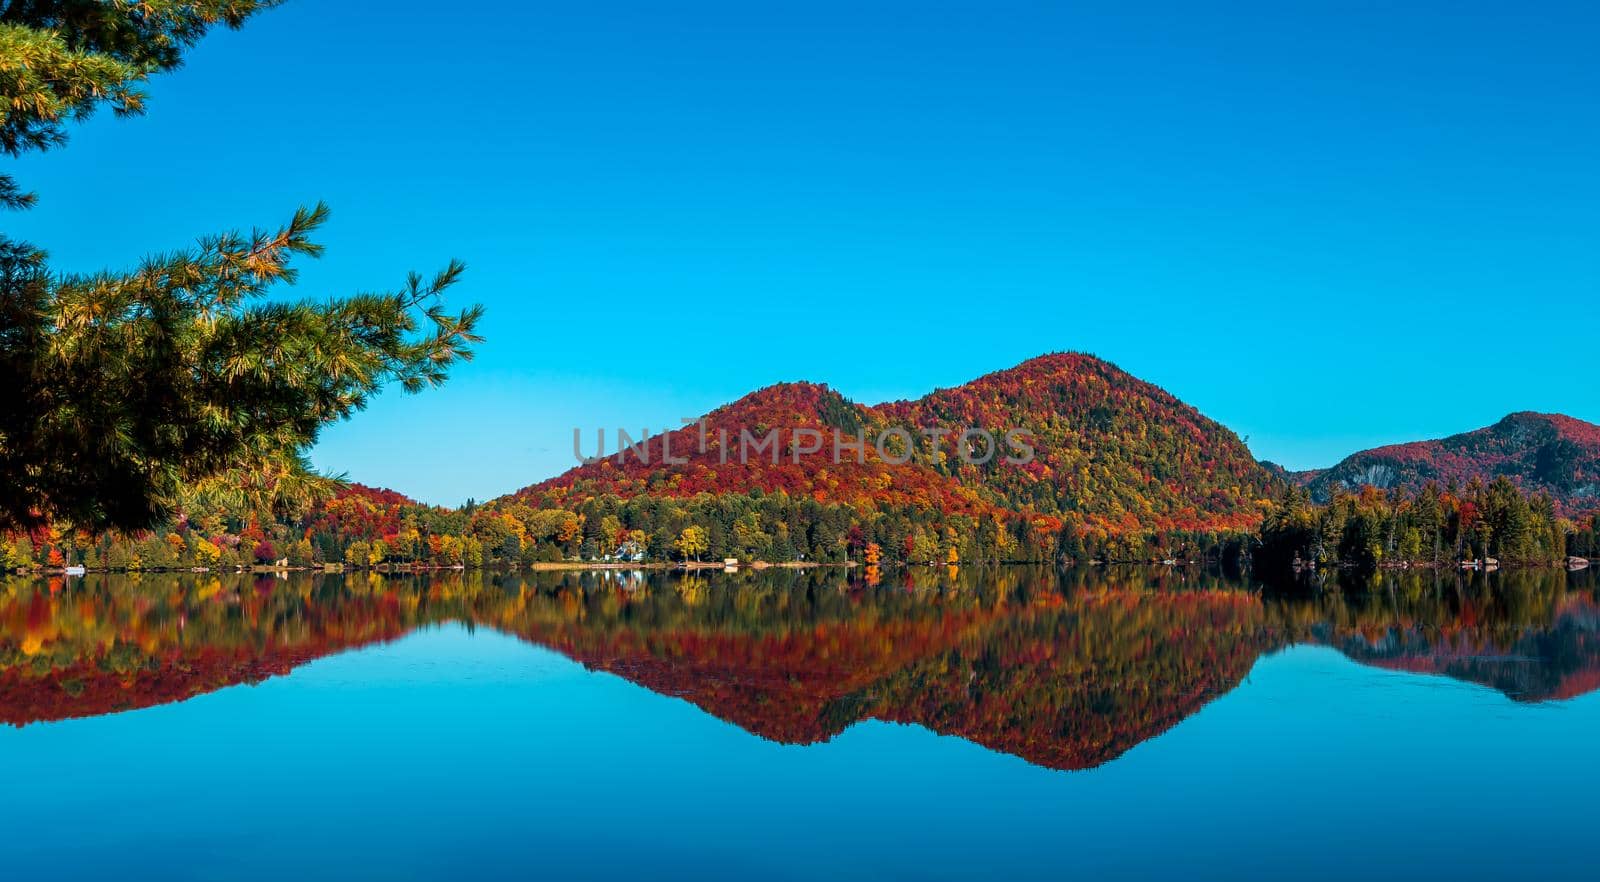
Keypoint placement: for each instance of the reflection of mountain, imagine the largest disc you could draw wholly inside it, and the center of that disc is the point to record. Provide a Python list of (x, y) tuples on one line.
[(1063, 675), (1081, 685), (1538, 642), (1064, 683), (89, 653), (1526, 670)]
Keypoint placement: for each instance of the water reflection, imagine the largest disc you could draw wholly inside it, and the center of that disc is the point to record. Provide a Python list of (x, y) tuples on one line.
[(1065, 669)]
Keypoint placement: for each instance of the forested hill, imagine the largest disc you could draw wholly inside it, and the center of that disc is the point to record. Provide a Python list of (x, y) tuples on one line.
[(1119, 453), (1111, 454), (716, 463), (1119, 470), (1082, 461), (1540, 453)]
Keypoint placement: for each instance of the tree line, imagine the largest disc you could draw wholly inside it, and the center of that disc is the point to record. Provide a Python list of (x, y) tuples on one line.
[(1483, 523), (364, 528)]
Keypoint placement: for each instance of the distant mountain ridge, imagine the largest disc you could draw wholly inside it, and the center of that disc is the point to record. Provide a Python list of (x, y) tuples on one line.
[(1548, 453), (1110, 453)]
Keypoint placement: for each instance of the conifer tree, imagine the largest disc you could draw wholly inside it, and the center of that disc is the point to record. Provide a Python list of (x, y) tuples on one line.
[(61, 60), (124, 393)]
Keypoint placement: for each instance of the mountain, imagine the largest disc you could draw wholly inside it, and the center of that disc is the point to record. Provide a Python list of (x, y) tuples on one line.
[(1123, 453), (736, 457), (1109, 452), (1548, 453)]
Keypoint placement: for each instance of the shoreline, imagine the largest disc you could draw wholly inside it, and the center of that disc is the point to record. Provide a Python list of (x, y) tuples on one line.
[(1570, 565), (402, 569)]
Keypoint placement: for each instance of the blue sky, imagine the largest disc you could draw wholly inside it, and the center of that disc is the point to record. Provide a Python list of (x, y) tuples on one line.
[(1327, 226)]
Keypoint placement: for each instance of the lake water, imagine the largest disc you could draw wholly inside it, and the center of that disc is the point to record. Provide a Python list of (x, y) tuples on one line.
[(1012, 724)]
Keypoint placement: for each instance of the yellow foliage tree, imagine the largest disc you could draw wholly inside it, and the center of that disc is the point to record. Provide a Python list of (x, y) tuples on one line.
[(206, 554), (692, 542)]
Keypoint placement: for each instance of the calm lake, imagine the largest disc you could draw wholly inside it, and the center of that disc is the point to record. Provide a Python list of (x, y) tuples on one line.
[(933, 724)]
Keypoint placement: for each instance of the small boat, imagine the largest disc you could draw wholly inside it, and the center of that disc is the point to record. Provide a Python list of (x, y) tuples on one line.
[(74, 571)]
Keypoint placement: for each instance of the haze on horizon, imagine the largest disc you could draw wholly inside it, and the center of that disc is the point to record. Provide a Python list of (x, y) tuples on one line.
[(1326, 228)]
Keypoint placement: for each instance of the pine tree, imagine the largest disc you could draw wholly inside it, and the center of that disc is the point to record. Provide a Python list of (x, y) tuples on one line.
[(129, 391), (66, 58)]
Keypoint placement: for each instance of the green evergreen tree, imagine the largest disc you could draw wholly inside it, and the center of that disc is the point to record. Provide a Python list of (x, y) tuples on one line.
[(129, 390)]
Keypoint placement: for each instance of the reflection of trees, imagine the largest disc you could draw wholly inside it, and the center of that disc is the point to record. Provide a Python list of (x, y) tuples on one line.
[(1064, 671), (115, 644), (1532, 634)]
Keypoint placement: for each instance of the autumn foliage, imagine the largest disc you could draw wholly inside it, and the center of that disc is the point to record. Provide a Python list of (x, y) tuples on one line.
[(1539, 453), (1112, 456), (1065, 670)]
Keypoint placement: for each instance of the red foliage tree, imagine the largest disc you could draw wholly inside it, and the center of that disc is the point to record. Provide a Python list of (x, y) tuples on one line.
[(265, 553)]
